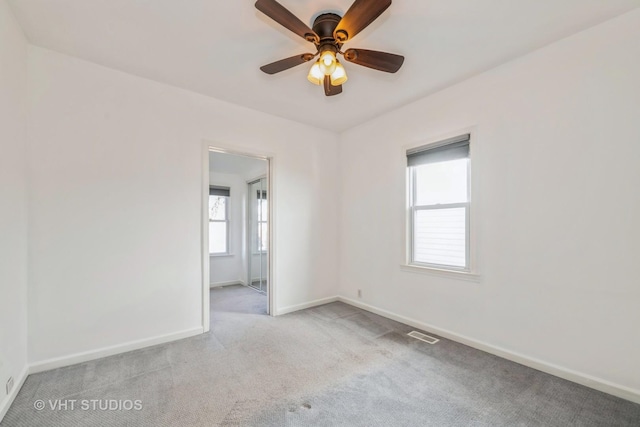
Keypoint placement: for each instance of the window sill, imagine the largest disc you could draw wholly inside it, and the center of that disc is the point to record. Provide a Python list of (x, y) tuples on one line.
[(220, 255), (438, 272)]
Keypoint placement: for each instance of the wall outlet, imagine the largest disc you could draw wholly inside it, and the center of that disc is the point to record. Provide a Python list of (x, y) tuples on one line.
[(359, 293), (9, 385)]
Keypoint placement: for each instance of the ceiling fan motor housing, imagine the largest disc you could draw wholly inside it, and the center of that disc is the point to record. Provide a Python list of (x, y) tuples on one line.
[(324, 25)]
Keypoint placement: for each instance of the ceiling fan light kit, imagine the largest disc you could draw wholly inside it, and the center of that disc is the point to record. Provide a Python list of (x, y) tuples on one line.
[(329, 33)]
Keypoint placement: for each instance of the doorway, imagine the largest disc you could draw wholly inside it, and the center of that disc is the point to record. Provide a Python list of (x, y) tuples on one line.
[(236, 233)]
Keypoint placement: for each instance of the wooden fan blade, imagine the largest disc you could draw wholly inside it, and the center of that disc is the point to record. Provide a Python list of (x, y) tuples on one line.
[(358, 17), (329, 89), (381, 61), (282, 16), (285, 64)]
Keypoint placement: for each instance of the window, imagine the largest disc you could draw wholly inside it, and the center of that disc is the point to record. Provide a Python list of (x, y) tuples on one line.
[(439, 203), (262, 238), (219, 220)]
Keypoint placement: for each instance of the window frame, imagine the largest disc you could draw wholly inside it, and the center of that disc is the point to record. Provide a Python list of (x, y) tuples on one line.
[(260, 227), (226, 221), (257, 238), (468, 272), (415, 208)]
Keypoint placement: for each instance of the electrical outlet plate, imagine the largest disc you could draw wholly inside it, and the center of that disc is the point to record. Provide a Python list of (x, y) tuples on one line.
[(9, 385)]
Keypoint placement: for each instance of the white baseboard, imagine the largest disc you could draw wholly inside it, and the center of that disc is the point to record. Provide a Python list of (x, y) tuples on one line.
[(72, 359), (605, 386), (18, 383), (228, 283), (292, 308)]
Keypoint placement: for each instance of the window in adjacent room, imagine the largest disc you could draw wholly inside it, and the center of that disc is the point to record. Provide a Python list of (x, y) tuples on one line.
[(262, 238), (219, 220), (439, 199)]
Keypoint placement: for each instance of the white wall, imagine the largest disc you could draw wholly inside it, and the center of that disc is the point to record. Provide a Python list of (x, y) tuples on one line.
[(13, 203), (231, 268), (116, 178), (556, 164)]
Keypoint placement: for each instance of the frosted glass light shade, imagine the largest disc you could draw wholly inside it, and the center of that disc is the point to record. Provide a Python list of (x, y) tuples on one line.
[(316, 76), (328, 62), (339, 75)]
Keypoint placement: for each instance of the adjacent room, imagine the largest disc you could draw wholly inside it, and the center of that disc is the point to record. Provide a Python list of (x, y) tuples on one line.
[(238, 231), (319, 213)]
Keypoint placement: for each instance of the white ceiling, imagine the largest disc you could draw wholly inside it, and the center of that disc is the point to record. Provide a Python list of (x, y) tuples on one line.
[(248, 167), (216, 47)]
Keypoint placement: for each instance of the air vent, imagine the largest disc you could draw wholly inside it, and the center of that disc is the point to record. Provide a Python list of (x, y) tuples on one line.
[(422, 337)]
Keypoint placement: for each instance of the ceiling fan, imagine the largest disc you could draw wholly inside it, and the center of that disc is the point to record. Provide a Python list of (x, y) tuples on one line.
[(329, 33)]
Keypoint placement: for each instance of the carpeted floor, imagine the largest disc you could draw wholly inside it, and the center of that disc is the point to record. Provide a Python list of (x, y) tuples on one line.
[(333, 365)]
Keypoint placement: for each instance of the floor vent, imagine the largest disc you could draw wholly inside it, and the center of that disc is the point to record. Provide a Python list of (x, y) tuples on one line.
[(422, 337)]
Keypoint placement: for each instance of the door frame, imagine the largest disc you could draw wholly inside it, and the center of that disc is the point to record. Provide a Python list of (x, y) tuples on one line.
[(209, 146)]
